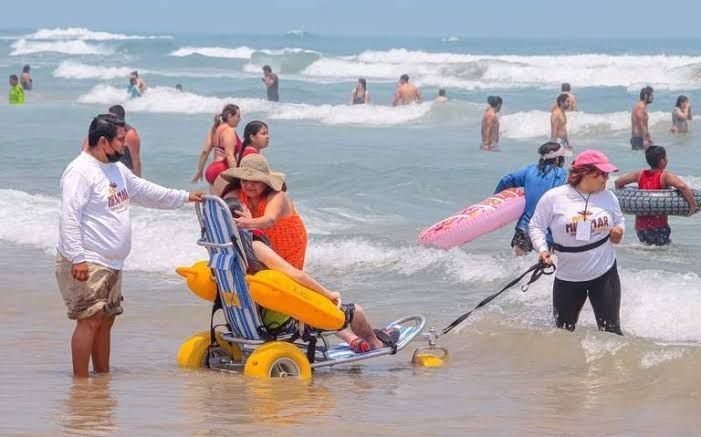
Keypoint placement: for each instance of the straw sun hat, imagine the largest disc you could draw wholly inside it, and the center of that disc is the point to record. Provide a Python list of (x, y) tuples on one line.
[(255, 168)]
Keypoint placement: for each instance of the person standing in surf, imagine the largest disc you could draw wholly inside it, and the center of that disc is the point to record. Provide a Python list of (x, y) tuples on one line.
[(535, 179), (95, 238), (271, 82), (406, 93), (360, 95), (223, 139), (558, 121), (640, 132), (654, 230), (490, 124), (585, 220), (681, 115), (567, 89)]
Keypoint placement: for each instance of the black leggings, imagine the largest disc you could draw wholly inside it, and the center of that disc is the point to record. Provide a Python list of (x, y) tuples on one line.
[(605, 297)]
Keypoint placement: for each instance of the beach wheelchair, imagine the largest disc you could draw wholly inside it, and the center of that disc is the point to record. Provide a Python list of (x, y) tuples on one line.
[(243, 342)]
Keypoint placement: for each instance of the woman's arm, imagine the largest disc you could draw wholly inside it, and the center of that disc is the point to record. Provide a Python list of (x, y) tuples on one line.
[(206, 149), (273, 211), (367, 96), (273, 261)]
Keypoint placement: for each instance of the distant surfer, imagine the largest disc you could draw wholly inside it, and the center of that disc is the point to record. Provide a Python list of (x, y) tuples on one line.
[(535, 179), (558, 121), (406, 92), (654, 230), (681, 115), (567, 89), (271, 82), (490, 124), (640, 133)]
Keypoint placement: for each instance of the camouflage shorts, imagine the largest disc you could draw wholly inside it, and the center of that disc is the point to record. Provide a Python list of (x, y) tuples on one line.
[(102, 290)]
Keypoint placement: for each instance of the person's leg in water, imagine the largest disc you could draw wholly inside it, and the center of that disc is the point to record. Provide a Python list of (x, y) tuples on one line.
[(605, 298), (101, 346), (521, 243), (568, 300), (655, 237), (82, 342)]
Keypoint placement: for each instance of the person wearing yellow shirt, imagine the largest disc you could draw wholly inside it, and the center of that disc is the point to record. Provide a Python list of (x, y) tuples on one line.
[(16, 91)]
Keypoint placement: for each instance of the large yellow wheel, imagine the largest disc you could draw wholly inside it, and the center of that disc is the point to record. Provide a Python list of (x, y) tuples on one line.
[(193, 352), (278, 360)]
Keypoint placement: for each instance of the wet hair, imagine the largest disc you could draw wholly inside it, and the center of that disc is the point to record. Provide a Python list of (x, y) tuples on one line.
[(680, 100), (404, 77), (655, 154), (565, 88), (178, 87), (26, 69), (134, 73), (13, 77), (494, 101), (441, 92), (577, 174), (118, 110), (225, 113), (252, 128), (645, 93), (364, 83), (544, 165), (104, 125), (562, 98), (267, 69)]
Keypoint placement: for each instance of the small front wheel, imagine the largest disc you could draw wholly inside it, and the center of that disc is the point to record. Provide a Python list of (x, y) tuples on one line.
[(278, 360)]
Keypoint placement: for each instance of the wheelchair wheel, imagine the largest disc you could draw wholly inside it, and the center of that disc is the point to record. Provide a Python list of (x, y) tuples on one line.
[(193, 353), (278, 360)]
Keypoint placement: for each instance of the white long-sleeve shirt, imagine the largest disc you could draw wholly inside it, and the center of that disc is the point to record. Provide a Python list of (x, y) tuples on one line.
[(563, 209), (95, 224)]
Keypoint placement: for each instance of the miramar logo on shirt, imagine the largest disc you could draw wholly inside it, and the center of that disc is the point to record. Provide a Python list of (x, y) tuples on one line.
[(597, 224), (117, 200)]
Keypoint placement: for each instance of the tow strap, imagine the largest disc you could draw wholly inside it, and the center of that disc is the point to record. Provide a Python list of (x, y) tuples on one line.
[(539, 269)]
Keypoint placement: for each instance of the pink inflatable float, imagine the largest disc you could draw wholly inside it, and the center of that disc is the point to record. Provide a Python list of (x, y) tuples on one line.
[(490, 214)]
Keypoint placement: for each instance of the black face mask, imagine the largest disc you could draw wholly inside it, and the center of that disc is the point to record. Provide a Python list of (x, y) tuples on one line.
[(115, 157)]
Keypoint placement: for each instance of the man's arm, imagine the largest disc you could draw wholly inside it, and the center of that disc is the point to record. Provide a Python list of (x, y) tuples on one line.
[(419, 99), (153, 195), (396, 98), (647, 136), (671, 180), (626, 179)]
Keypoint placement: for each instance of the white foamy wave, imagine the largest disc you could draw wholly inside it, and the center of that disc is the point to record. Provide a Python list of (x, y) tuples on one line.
[(477, 71), (169, 100), (358, 255), (215, 52), (534, 124), (81, 33), (76, 47), (76, 70), (692, 181), (652, 359)]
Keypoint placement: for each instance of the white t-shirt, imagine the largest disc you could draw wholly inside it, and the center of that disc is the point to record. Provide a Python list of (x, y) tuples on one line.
[(95, 224), (562, 209)]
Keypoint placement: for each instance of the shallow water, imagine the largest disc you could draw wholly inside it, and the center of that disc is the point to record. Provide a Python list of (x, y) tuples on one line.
[(366, 181)]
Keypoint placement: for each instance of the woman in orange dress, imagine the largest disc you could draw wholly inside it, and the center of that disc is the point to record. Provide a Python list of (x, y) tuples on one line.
[(268, 207)]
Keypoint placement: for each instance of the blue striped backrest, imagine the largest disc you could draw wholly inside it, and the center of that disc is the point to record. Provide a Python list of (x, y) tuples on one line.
[(239, 309)]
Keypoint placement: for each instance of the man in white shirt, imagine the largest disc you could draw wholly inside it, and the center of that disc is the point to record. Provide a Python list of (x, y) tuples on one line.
[(95, 237)]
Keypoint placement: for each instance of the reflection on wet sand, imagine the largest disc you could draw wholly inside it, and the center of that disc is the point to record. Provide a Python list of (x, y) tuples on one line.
[(89, 407), (222, 399)]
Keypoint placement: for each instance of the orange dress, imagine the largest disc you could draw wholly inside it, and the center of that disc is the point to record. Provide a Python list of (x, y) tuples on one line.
[(287, 235)]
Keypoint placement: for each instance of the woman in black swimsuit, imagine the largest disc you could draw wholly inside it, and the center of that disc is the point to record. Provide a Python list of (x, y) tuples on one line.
[(360, 93)]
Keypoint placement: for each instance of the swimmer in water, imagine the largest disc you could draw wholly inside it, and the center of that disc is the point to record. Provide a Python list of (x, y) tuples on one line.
[(640, 133), (442, 98), (558, 121), (490, 124), (406, 93), (681, 115)]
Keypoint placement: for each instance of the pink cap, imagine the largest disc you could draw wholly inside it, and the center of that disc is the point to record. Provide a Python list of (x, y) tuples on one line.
[(595, 158)]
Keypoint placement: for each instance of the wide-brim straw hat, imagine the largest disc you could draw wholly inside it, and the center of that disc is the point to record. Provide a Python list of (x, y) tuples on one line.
[(255, 168)]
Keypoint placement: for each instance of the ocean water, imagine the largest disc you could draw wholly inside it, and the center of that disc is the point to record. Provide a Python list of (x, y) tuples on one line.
[(367, 180)]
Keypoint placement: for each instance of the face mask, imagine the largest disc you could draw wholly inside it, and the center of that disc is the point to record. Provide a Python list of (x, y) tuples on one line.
[(115, 157)]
